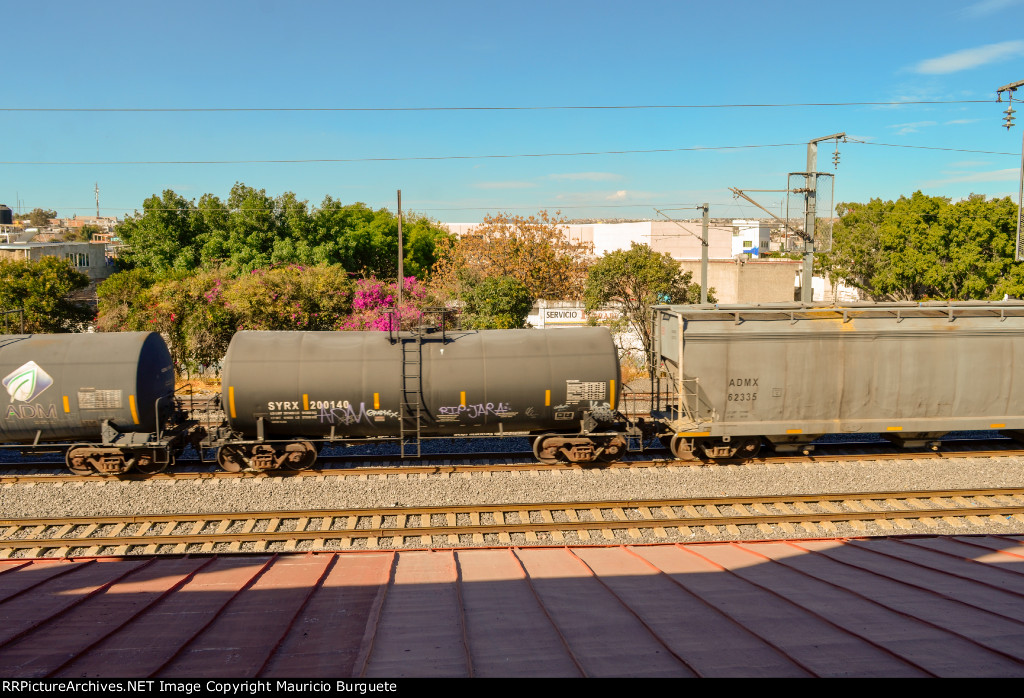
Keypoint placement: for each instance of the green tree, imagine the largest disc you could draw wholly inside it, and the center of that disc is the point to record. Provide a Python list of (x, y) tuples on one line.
[(253, 230), (496, 302), (922, 247), (634, 280), (122, 299), (167, 235), (43, 289), (39, 217), (199, 311)]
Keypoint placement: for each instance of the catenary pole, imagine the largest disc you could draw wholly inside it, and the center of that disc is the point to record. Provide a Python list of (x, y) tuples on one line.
[(810, 212), (401, 267), (1008, 123)]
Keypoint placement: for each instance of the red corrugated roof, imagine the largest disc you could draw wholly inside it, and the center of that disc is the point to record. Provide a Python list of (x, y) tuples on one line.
[(910, 606)]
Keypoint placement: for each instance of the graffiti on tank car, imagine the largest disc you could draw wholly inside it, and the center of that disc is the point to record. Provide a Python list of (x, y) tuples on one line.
[(477, 410), (348, 416)]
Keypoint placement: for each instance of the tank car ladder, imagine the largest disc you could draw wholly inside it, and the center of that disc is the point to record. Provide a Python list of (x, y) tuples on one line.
[(411, 420)]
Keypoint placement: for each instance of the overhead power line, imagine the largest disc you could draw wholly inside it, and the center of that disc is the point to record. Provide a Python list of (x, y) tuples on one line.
[(393, 159), (414, 209), (781, 105), (470, 157), (928, 147)]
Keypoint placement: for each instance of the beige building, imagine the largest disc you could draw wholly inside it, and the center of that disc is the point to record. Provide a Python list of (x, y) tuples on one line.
[(86, 257)]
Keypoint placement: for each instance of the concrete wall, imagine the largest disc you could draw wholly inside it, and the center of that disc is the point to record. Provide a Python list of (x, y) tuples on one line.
[(756, 281)]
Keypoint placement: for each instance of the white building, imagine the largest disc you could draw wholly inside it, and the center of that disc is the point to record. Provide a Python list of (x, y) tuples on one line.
[(750, 237)]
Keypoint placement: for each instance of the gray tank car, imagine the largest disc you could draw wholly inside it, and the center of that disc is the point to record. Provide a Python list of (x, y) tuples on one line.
[(737, 376), (111, 392), (282, 392)]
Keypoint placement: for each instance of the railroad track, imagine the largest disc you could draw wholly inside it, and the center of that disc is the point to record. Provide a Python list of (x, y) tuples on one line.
[(602, 522), (391, 466)]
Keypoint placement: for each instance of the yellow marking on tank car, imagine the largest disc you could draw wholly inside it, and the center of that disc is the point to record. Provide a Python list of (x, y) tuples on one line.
[(462, 398), (376, 401), (894, 428), (305, 401), (611, 385), (547, 398), (794, 431), (996, 426), (67, 405), (694, 433), (135, 412), (231, 401)]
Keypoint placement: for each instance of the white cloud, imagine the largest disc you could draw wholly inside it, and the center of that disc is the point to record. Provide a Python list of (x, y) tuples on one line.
[(504, 185), (617, 196), (991, 176), (970, 58), (957, 122), (988, 7), (911, 127), (587, 176)]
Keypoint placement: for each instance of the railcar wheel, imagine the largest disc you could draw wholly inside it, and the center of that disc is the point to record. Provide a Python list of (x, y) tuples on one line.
[(148, 462), (232, 458), (611, 448), (299, 455), (77, 460), (682, 448), (545, 450), (748, 447)]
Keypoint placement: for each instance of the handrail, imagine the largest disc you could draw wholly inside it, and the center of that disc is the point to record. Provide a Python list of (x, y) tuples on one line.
[(793, 312)]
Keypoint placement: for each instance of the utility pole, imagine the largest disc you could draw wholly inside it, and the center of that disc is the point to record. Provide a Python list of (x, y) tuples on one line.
[(1008, 119), (704, 255), (97, 203), (401, 266), (810, 197), (703, 248)]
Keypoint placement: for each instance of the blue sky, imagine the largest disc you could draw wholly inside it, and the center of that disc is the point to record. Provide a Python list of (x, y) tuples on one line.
[(320, 60)]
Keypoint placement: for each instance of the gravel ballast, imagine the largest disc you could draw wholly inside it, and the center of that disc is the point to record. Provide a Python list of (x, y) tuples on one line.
[(112, 497)]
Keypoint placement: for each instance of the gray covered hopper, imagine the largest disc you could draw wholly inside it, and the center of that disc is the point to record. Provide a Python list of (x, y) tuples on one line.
[(790, 372)]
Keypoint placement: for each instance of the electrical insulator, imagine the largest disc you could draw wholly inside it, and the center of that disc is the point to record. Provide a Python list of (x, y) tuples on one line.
[(835, 160), (1008, 119)]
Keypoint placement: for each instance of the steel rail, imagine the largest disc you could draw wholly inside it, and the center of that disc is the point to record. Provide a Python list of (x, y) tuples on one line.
[(966, 504)]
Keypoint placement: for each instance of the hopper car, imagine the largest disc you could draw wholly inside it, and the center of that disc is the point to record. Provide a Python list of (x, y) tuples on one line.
[(736, 378)]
